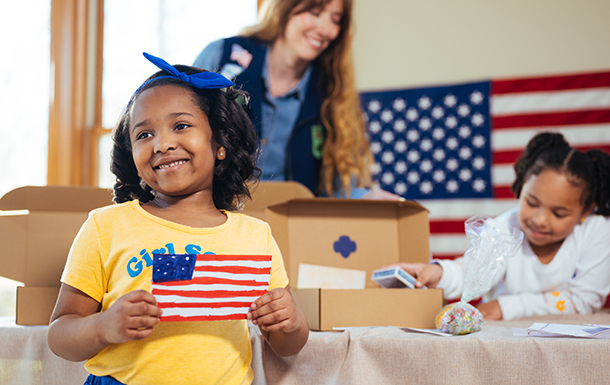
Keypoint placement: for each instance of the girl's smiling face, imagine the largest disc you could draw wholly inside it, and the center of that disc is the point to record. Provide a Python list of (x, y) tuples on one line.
[(549, 208), (172, 142)]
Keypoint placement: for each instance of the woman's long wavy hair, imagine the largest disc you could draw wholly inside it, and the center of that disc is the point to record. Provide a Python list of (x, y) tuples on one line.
[(231, 129), (346, 152)]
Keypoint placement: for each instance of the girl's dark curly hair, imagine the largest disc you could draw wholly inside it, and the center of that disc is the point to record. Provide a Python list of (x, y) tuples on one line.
[(231, 129), (590, 170)]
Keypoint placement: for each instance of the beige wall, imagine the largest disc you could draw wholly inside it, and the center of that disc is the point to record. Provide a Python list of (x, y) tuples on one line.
[(409, 43)]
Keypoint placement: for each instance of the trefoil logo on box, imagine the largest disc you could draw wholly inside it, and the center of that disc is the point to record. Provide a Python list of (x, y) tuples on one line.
[(345, 246)]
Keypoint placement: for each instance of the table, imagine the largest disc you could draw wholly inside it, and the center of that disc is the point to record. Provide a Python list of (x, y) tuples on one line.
[(369, 356), (25, 358), (394, 356)]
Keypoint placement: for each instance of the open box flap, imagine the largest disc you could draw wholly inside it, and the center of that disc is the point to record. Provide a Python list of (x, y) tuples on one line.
[(56, 198)]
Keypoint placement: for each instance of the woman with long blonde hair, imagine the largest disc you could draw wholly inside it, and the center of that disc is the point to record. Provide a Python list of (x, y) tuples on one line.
[(296, 64)]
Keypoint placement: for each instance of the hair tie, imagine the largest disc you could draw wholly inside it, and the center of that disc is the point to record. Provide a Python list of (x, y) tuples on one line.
[(203, 80)]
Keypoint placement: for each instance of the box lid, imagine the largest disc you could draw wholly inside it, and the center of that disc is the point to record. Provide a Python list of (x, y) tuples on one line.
[(56, 198), (342, 202), (35, 243)]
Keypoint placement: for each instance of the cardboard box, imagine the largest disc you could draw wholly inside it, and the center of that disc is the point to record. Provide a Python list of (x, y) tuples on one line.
[(326, 309), (35, 304), (268, 193), (37, 227), (322, 231), (356, 234)]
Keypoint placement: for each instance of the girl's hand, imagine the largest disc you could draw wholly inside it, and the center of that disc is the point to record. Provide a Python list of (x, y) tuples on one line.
[(131, 317), (282, 323), (490, 310), (79, 330), (426, 274), (275, 311)]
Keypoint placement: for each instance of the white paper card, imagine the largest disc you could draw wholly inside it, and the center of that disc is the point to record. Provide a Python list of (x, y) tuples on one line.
[(575, 331), (324, 277), (435, 332)]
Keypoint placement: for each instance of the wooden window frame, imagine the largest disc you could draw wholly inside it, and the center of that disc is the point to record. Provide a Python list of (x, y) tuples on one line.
[(75, 110), (76, 103)]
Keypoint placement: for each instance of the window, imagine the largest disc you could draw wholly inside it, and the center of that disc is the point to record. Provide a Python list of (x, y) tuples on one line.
[(24, 100), (24, 105), (175, 30)]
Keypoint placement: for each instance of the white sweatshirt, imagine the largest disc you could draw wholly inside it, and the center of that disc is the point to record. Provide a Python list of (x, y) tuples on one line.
[(577, 280)]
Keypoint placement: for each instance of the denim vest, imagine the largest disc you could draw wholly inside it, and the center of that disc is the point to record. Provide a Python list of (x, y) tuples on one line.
[(304, 149)]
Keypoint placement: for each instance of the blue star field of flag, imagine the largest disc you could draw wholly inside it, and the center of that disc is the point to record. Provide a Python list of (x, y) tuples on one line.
[(431, 143)]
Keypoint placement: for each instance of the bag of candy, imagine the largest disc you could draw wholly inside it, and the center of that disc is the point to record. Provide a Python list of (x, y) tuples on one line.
[(490, 245)]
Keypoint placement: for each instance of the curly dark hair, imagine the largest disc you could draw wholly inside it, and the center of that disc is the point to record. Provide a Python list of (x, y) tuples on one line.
[(231, 129), (590, 170)]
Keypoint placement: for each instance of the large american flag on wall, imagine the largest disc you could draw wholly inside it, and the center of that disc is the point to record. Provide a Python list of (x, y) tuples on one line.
[(453, 147)]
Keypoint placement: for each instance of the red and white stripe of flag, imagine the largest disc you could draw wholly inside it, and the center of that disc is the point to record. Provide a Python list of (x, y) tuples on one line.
[(222, 288)]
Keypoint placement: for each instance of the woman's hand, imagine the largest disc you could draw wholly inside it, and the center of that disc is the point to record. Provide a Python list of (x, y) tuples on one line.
[(382, 195)]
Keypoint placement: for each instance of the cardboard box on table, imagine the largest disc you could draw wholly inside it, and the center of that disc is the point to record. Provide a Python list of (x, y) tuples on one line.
[(35, 243), (362, 235)]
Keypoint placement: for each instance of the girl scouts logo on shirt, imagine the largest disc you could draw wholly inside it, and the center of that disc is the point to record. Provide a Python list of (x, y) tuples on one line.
[(317, 140)]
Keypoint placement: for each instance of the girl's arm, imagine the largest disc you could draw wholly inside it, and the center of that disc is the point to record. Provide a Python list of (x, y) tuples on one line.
[(585, 292), (78, 329), (281, 322)]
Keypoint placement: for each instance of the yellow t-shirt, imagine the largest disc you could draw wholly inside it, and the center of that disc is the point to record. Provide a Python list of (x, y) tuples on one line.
[(112, 255)]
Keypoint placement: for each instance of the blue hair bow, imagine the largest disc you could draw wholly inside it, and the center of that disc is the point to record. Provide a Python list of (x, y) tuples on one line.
[(203, 80)]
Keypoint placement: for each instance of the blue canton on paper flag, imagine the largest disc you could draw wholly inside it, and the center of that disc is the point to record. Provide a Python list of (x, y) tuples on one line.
[(431, 143)]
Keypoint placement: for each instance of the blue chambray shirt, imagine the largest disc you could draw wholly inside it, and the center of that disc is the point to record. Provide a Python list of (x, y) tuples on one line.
[(279, 115)]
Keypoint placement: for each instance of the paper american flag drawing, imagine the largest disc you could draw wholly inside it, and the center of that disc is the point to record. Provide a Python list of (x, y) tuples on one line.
[(208, 287), (453, 147)]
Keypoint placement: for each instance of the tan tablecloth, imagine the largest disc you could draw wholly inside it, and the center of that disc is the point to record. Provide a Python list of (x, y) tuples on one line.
[(394, 356), (369, 356)]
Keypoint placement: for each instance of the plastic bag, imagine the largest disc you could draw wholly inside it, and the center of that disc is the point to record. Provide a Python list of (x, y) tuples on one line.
[(490, 245)]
